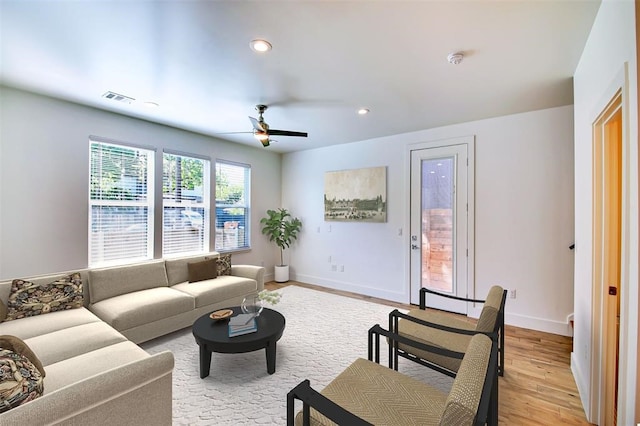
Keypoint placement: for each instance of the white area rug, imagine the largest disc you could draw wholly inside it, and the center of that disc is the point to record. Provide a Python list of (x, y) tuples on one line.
[(324, 333)]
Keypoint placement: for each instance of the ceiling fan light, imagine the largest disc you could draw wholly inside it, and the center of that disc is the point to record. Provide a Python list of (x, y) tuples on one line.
[(261, 136)]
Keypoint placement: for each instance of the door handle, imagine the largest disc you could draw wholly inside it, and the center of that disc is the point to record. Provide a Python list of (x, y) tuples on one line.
[(414, 247)]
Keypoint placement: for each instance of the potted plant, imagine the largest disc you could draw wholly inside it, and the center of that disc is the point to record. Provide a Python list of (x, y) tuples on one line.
[(282, 228)]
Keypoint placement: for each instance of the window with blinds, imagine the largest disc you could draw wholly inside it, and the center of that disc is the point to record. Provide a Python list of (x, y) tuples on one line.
[(185, 205), (232, 206), (120, 204)]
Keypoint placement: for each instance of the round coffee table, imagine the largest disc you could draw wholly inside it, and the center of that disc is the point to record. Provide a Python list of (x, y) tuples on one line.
[(213, 336)]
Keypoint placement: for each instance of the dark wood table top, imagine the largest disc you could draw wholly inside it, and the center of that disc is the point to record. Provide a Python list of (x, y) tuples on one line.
[(215, 334)]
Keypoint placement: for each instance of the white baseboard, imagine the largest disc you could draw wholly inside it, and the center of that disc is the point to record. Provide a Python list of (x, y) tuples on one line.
[(354, 288), (539, 324), (532, 323), (581, 384)]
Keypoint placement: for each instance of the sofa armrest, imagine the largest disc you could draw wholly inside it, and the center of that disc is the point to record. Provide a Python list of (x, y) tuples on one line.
[(135, 393), (250, 271)]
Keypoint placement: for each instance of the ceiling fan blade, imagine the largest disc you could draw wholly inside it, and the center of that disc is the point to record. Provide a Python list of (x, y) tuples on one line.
[(257, 125), (274, 132)]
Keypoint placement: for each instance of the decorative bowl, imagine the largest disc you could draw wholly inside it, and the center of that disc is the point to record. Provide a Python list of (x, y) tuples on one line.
[(221, 314)]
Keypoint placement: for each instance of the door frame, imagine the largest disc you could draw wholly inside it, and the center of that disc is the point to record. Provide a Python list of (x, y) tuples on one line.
[(472, 309), (606, 152), (595, 411)]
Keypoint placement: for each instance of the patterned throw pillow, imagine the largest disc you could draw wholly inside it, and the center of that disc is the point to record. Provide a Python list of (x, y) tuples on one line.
[(28, 299), (224, 264), (21, 373)]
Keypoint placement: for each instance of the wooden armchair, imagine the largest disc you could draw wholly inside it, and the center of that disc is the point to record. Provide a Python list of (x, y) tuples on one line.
[(446, 331), (366, 393)]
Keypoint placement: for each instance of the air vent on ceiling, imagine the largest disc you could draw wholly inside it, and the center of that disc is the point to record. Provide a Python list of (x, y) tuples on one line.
[(117, 97)]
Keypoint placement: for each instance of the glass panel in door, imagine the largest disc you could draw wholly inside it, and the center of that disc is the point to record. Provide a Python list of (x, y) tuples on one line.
[(439, 225)]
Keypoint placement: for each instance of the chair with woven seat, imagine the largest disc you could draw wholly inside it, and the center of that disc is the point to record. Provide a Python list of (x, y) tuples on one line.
[(366, 393), (447, 331)]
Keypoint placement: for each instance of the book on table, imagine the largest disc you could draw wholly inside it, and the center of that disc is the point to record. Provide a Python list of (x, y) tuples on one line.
[(242, 324)]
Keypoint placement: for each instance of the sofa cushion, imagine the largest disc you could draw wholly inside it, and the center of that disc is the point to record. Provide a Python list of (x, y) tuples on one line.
[(73, 341), (222, 288), (21, 374), (203, 270), (111, 282), (29, 327), (178, 269), (29, 299), (3, 311), (142, 307), (72, 370)]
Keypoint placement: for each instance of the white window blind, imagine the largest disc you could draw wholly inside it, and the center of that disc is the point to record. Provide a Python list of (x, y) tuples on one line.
[(120, 201), (185, 205), (232, 206)]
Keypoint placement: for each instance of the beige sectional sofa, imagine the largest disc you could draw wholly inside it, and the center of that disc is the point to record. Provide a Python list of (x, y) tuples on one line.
[(95, 372)]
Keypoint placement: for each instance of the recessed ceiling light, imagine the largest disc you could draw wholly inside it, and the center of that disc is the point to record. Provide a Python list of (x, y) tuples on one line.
[(260, 45), (150, 104), (363, 111)]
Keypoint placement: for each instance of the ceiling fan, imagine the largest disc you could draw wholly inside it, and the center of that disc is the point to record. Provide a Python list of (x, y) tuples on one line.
[(263, 133)]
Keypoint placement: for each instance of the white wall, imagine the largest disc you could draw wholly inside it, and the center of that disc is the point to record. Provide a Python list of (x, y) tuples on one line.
[(44, 169), (611, 44), (524, 215)]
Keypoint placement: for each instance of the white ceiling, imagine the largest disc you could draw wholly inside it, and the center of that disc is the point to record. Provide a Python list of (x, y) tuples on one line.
[(329, 58)]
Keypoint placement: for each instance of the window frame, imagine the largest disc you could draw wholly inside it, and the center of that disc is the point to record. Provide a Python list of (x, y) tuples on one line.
[(246, 205), (206, 204), (149, 152)]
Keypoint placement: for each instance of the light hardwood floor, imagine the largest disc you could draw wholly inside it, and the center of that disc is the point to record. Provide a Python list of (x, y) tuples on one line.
[(537, 388)]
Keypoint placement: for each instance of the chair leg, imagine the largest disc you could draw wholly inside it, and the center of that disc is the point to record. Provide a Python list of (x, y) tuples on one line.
[(501, 351)]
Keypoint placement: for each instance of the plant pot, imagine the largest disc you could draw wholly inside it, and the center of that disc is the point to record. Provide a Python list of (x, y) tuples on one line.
[(281, 274)]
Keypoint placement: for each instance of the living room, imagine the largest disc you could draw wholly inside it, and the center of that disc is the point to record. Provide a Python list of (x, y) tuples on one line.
[(533, 174)]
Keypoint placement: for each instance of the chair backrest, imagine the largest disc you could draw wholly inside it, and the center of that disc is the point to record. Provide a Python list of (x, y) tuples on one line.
[(463, 401), (490, 310)]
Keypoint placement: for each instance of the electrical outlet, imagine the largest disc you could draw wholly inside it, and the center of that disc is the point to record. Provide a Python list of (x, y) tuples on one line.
[(334, 268), (512, 293), (329, 259), (341, 268)]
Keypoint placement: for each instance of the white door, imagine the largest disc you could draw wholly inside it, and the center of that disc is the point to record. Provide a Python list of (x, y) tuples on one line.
[(439, 225)]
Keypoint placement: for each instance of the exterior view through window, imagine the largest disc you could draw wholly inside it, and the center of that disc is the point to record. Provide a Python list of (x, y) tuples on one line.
[(232, 207), (120, 204), (185, 205)]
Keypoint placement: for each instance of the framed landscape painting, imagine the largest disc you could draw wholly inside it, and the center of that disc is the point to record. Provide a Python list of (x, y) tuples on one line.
[(358, 195)]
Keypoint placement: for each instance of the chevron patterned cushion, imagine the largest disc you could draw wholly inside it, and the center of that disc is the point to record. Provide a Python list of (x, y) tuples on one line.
[(464, 397), (489, 314), (382, 396), (435, 337)]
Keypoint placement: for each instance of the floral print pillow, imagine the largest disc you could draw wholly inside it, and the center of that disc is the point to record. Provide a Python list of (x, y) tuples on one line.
[(21, 373), (224, 264), (28, 299)]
